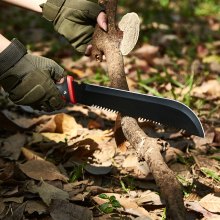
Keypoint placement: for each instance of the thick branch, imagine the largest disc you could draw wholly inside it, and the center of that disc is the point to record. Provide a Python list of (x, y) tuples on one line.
[(111, 8), (147, 148), (108, 44)]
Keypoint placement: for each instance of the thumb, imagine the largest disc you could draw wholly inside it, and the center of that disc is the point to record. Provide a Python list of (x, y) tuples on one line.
[(56, 71), (102, 21)]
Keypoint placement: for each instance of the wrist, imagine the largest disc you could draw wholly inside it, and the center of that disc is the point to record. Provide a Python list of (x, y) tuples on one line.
[(4, 43), (51, 8), (11, 55), (33, 5)]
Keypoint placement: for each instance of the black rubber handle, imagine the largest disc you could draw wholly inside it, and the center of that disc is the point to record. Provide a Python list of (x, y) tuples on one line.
[(67, 90)]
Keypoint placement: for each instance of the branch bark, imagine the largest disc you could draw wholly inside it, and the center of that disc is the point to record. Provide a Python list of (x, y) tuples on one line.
[(147, 148)]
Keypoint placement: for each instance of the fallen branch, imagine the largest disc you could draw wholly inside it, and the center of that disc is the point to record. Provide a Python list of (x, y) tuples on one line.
[(108, 43)]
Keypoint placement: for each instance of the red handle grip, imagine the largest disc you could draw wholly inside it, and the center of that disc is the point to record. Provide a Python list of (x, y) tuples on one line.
[(67, 89)]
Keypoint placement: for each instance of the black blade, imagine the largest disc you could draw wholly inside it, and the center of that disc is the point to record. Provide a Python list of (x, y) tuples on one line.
[(165, 111)]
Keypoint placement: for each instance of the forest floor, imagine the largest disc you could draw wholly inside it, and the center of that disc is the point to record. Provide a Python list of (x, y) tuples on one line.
[(67, 165)]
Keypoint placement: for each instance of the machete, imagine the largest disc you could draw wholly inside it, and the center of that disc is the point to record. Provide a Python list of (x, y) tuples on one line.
[(161, 110)]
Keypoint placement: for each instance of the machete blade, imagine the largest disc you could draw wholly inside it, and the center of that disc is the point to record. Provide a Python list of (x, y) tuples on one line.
[(162, 110)]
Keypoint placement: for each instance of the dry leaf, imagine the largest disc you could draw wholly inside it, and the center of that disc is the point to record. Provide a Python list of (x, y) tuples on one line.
[(166, 39), (210, 89), (7, 171), (11, 192), (204, 161), (211, 203), (59, 128), (149, 198), (147, 52), (215, 67), (30, 155), (12, 146), (171, 154), (35, 206), (49, 126), (56, 137), (201, 142), (14, 199), (195, 206), (49, 137), (105, 153), (42, 170), (120, 139), (47, 192), (61, 123), (28, 123), (82, 149), (7, 124), (2, 206), (211, 59), (60, 210), (129, 205), (79, 196), (130, 161), (36, 138), (192, 197), (142, 169), (75, 185), (16, 214), (65, 123), (75, 71), (217, 135), (95, 124), (202, 51), (103, 145)]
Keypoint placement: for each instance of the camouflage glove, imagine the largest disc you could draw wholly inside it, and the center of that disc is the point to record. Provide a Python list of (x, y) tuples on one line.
[(74, 19), (29, 79)]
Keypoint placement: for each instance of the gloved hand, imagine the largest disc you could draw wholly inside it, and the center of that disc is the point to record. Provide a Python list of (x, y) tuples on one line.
[(74, 19), (30, 80)]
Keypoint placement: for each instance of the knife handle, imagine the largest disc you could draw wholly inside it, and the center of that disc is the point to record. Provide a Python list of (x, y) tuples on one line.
[(67, 90)]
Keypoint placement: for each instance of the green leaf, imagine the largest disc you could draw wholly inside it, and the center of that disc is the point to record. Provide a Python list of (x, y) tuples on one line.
[(212, 59), (103, 196), (116, 204), (106, 208), (181, 159), (76, 173), (151, 90), (112, 198), (187, 97), (210, 173), (164, 3), (207, 8), (109, 210), (124, 187), (215, 157), (164, 214)]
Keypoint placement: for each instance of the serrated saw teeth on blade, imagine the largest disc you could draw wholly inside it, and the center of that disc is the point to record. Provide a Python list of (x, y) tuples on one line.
[(182, 131), (142, 119), (104, 109), (149, 121)]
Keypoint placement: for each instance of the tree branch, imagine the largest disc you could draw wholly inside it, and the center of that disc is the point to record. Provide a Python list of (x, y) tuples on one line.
[(147, 148)]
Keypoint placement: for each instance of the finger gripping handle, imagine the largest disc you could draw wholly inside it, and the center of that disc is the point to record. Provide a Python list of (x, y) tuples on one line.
[(67, 90)]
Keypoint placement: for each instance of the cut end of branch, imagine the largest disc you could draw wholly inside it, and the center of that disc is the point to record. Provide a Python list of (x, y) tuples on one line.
[(130, 25)]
